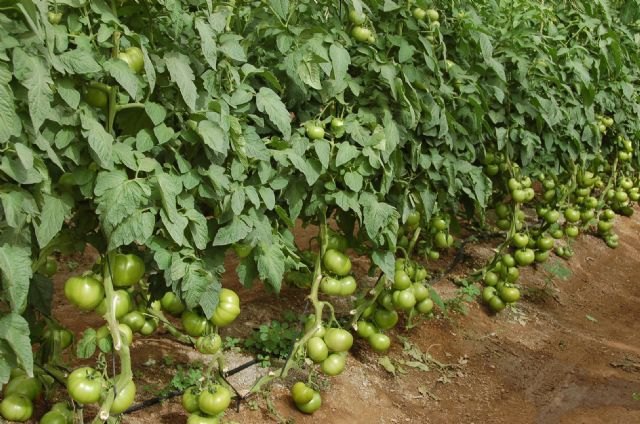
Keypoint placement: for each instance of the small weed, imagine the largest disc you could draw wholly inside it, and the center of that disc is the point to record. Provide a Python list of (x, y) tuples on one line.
[(275, 339), (636, 396), (231, 343), (185, 377)]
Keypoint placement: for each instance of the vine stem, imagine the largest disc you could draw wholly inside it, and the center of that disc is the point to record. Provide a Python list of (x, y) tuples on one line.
[(119, 347)]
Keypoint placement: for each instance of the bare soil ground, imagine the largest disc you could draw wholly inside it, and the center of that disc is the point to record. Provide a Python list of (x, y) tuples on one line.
[(568, 353)]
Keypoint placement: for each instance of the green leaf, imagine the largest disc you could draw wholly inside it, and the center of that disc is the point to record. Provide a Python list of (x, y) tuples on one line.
[(80, 61), (54, 211), (41, 294), (15, 264), (353, 180), (208, 39), (269, 102), (340, 61), (137, 228), (377, 215), (87, 344), (182, 74), (237, 230), (14, 329), (230, 47), (10, 123), (214, 137), (270, 263), (121, 72), (309, 73), (100, 141), (346, 152), (34, 75), (386, 261), (280, 7)]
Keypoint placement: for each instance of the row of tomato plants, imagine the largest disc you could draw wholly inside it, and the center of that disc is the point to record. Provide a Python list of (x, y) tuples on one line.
[(399, 121)]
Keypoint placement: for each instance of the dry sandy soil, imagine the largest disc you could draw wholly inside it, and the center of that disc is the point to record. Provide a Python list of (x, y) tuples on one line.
[(568, 353)]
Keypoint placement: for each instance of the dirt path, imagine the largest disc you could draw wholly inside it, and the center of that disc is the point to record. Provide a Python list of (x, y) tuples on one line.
[(570, 353)]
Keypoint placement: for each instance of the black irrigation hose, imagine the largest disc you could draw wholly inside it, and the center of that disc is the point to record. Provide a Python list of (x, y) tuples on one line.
[(175, 393)]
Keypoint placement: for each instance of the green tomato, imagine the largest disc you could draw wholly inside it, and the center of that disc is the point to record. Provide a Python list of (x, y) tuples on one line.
[(228, 308), (334, 364), (96, 97), (16, 408), (366, 329), (134, 58), (122, 304), (23, 385), (443, 240), (385, 319), (510, 294), (519, 196), (433, 15), (193, 323), (404, 299), (379, 342), (488, 293), (496, 304), (337, 124), (310, 322), (337, 241), (491, 278), (401, 280), (338, 340), (337, 262), (572, 215), (312, 406), (148, 328), (209, 345), (242, 249), (124, 398), (419, 13), (317, 349), (126, 270), (572, 231), (314, 132), (190, 400), (49, 268), (54, 18), (361, 34), (348, 286), (171, 303), (525, 257), (54, 417), (356, 18), (413, 219), (134, 319), (520, 240), (301, 393), (85, 385), (214, 400), (425, 307), (330, 286), (420, 292), (197, 418), (545, 243), (84, 292)]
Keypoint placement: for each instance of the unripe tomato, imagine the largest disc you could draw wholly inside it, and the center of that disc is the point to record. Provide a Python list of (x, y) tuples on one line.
[(197, 418), (312, 406), (433, 15), (425, 307), (419, 13), (301, 393), (337, 241), (214, 400), (348, 286), (126, 270), (209, 345), (338, 340), (443, 240), (380, 342), (124, 398), (122, 304), (23, 385), (337, 262), (572, 215), (488, 293), (310, 322), (356, 18), (49, 267), (496, 304), (520, 240), (190, 400), (171, 303), (361, 34), (413, 219), (420, 292), (228, 308), (334, 364), (242, 249), (16, 408), (572, 231), (54, 18), (491, 278), (134, 59), (545, 243), (54, 417), (330, 286), (385, 319), (510, 294), (401, 280), (84, 292), (96, 97), (134, 319), (525, 257), (317, 349), (193, 324), (314, 132), (404, 299), (366, 329), (85, 385)]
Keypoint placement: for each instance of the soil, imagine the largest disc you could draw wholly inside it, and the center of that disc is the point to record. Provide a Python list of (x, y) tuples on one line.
[(569, 352)]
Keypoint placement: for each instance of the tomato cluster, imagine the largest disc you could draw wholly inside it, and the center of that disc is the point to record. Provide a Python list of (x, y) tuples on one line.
[(19, 394), (206, 404)]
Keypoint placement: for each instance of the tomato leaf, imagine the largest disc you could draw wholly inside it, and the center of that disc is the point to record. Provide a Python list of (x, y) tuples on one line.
[(182, 74), (269, 102), (14, 330), (15, 264)]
